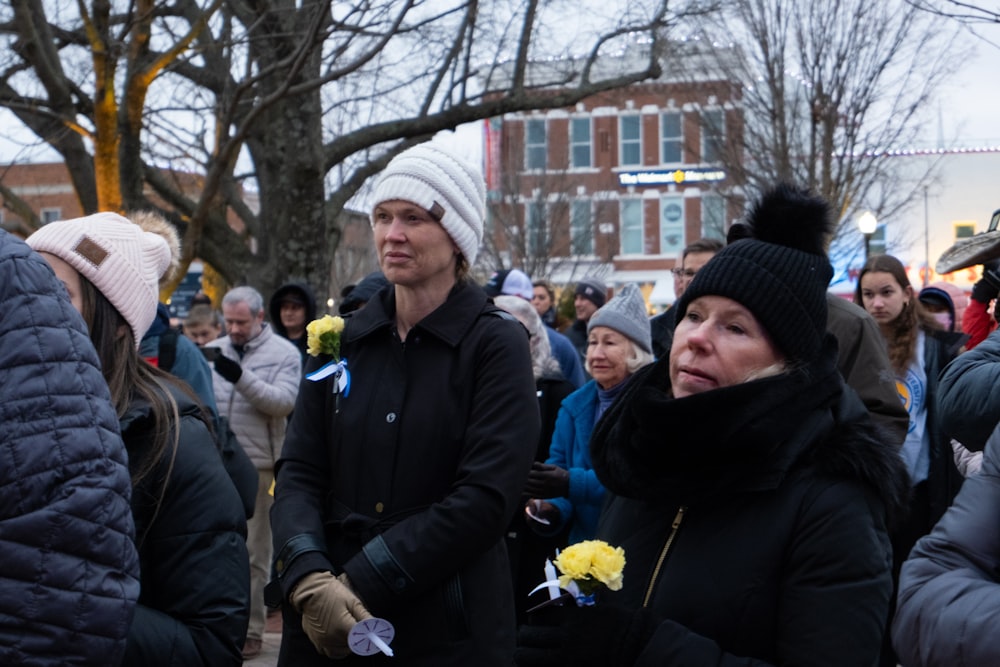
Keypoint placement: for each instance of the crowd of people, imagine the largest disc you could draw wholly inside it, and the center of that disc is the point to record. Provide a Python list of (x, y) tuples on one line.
[(793, 478)]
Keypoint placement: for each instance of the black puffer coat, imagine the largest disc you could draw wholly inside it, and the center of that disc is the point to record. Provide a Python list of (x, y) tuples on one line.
[(194, 605), (753, 518), (69, 573)]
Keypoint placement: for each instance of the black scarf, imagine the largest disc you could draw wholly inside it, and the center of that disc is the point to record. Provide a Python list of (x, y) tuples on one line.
[(654, 447)]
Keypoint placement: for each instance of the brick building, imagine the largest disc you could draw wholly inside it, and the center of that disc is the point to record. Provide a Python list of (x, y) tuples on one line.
[(616, 185), (46, 189)]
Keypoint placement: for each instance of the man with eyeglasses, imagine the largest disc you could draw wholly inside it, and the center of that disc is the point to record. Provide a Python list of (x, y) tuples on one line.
[(694, 256)]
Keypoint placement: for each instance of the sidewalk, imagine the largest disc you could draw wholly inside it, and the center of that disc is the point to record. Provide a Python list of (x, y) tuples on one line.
[(272, 643)]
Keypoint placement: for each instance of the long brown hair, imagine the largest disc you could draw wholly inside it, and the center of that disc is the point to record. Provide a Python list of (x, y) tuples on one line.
[(130, 377), (902, 332)]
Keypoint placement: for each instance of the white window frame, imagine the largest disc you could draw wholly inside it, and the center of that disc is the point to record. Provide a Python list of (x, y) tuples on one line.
[(50, 214), (581, 226), (535, 228), (713, 216), (535, 150), (629, 228), (582, 143), (634, 143), (713, 135), (672, 139)]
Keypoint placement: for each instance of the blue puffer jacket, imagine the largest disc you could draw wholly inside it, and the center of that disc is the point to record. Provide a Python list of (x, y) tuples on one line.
[(948, 611), (570, 450), (68, 566), (968, 397)]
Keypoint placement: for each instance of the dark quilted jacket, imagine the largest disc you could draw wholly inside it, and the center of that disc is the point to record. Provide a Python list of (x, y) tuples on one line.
[(68, 565)]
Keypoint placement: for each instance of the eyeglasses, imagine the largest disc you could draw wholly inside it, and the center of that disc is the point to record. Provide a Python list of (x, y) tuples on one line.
[(683, 273)]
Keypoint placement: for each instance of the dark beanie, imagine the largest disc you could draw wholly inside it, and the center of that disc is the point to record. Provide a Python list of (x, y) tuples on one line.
[(778, 271), (592, 290)]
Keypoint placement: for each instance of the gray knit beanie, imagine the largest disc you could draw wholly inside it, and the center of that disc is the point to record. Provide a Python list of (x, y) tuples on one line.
[(626, 314), (444, 185)]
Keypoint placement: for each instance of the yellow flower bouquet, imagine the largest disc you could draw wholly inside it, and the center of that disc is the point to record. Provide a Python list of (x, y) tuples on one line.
[(323, 336), (584, 569), (591, 564)]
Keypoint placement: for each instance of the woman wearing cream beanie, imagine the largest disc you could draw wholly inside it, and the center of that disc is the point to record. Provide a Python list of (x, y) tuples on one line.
[(189, 521)]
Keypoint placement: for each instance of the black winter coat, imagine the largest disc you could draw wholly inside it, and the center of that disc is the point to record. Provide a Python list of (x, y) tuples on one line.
[(69, 572), (408, 482), (753, 518), (943, 478), (195, 572)]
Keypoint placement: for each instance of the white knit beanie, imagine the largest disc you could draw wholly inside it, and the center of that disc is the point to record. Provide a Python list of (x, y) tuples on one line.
[(123, 261), (446, 186)]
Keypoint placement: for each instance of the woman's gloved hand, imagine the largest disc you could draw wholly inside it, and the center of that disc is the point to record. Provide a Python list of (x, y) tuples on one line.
[(597, 636), (547, 481), (329, 610)]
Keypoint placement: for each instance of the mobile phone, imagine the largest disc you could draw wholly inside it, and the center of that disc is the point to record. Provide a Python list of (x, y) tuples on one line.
[(210, 353)]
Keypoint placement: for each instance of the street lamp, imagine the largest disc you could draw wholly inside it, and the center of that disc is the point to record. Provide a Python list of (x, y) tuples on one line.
[(866, 225)]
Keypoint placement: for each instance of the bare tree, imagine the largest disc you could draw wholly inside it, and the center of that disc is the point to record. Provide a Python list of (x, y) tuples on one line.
[(830, 90), (966, 12), (300, 102), (532, 230)]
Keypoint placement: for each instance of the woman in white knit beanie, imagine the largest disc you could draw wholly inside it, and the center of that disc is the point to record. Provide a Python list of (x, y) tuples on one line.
[(189, 521), (394, 491)]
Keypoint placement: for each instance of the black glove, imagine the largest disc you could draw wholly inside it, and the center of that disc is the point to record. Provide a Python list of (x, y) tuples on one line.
[(987, 287), (228, 369), (547, 481), (597, 636)]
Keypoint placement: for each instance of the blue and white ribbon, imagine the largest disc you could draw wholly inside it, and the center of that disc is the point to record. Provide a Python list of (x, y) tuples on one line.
[(338, 368)]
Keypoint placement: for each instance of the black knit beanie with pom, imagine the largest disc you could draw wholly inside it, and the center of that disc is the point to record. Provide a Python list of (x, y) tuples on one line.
[(778, 270)]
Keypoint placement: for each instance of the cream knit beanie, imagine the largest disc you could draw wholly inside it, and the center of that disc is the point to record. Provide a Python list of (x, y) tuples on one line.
[(123, 261), (446, 186)]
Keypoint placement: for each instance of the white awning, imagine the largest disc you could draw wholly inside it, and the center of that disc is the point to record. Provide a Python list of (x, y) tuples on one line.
[(663, 292)]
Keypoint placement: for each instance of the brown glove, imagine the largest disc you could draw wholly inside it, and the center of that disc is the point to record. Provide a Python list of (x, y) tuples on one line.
[(329, 610)]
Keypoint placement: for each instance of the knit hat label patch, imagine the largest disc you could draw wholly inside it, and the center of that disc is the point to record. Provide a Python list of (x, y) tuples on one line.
[(91, 251), (437, 211)]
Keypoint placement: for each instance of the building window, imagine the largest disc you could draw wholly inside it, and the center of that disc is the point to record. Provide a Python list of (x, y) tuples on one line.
[(581, 227), (876, 244), (672, 225), (51, 215), (671, 138), (631, 225), (579, 143), (964, 230), (712, 135), (536, 241), (631, 140), (713, 217), (535, 149)]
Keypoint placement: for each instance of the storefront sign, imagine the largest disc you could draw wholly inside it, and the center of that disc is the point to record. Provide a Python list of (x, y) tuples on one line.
[(670, 176)]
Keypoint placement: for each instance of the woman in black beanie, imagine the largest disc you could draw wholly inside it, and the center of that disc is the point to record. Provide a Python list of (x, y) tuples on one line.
[(747, 486)]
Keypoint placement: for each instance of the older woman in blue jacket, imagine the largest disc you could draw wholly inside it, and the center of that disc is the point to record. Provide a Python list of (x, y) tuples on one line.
[(565, 490)]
